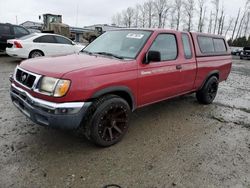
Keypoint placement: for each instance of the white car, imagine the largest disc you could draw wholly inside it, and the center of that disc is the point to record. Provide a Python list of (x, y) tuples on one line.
[(41, 44)]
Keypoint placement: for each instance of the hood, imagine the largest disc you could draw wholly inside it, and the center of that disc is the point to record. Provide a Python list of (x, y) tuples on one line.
[(58, 66)]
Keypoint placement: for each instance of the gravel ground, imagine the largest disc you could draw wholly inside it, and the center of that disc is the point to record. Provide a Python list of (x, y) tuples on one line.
[(176, 143)]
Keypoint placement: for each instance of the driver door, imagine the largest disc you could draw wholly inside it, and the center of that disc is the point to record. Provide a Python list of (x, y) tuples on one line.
[(160, 80)]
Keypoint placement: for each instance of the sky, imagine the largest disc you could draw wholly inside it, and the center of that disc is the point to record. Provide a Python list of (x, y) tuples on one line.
[(89, 11)]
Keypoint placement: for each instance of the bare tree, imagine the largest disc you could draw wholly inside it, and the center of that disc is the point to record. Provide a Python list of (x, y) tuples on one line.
[(216, 4), (149, 5), (143, 15), (220, 21), (210, 23), (189, 7), (202, 10), (128, 15), (178, 7), (117, 19), (222, 25), (172, 20), (242, 19), (229, 26), (246, 24), (162, 7), (235, 25), (137, 15), (241, 25)]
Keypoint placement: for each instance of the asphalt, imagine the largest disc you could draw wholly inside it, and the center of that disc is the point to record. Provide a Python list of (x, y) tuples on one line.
[(175, 143)]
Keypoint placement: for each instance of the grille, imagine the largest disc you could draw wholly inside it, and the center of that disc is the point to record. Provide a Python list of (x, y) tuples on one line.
[(25, 78)]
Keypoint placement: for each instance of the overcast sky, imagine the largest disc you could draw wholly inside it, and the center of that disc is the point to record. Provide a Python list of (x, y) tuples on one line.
[(89, 11)]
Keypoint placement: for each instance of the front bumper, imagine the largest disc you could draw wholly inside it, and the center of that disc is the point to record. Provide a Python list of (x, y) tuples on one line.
[(54, 115)]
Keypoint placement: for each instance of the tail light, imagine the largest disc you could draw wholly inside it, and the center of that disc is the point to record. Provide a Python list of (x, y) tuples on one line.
[(18, 44)]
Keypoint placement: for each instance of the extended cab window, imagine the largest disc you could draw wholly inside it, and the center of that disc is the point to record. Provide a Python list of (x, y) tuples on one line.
[(219, 45), (186, 46), (206, 44), (166, 45), (45, 39)]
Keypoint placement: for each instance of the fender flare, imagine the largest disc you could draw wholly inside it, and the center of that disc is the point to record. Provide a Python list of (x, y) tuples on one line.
[(214, 72), (116, 89)]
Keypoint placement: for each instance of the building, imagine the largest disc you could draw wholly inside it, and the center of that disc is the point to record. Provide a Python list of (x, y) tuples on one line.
[(77, 33), (33, 26), (105, 27)]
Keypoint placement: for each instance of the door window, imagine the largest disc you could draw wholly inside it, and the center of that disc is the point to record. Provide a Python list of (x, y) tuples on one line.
[(165, 44), (45, 39), (62, 40)]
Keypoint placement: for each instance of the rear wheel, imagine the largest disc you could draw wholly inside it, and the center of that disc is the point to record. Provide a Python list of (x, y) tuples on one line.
[(107, 121), (208, 92), (36, 53)]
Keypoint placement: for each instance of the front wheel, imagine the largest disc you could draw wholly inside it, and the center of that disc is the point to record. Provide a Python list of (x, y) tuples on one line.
[(209, 91), (109, 120)]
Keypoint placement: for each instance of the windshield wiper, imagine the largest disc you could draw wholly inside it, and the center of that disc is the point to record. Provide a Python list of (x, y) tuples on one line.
[(109, 54), (87, 52)]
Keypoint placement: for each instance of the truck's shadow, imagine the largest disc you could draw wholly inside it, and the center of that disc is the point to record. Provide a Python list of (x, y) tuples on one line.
[(64, 141)]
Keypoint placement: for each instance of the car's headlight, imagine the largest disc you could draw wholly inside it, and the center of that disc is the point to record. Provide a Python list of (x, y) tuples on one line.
[(54, 87)]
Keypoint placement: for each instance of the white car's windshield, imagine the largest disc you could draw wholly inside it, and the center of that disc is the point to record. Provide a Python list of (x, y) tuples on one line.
[(123, 44)]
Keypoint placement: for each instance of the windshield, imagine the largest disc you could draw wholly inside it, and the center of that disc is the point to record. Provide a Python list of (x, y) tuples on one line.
[(122, 43)]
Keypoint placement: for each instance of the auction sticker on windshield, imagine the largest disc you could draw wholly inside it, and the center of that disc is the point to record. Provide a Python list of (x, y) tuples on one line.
[(135, 36)]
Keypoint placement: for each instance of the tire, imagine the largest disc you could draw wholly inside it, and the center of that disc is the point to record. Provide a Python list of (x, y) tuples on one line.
[(208, 92), (241, 57), (36, 53), (107, 120)]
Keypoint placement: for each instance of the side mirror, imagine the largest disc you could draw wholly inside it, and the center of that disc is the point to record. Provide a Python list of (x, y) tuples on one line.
[(152, 56), (73, 43)]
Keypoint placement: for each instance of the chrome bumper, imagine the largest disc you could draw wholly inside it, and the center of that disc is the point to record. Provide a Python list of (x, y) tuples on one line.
[(57, 115)]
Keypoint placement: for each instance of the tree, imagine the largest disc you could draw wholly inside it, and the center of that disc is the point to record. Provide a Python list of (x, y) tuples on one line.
[(117, 19), (235, 25), (240, 28), (221, 20), (143, 15), (177, 7), (202, 12), (189, 7), (246, 24), (210, 22), (162, 7), (149, 9), (216, 4), (128, 17), (229, 26)]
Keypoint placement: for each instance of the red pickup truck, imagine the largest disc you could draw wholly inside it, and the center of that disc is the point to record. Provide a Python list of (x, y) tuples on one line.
[(122, 70)]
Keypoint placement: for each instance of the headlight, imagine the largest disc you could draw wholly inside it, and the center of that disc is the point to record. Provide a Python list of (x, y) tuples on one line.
[(53, 86)]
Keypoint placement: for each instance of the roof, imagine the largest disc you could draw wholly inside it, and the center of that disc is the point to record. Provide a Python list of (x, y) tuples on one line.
[(34, 23), (43, 34)]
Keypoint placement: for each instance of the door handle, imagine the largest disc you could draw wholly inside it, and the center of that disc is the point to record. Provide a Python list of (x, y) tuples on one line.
[(178, 67)]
